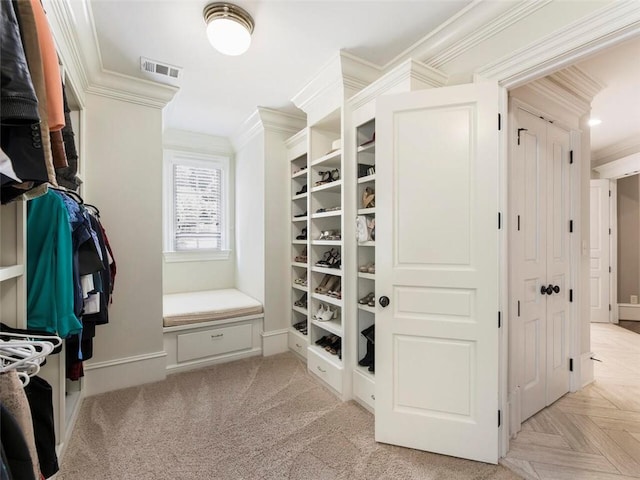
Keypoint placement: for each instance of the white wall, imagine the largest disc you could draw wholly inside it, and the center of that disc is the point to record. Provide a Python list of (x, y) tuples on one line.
[(250, 219), (123, 178)]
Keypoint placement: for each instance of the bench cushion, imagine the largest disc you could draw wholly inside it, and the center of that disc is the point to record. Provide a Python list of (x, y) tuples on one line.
[(205, 306)]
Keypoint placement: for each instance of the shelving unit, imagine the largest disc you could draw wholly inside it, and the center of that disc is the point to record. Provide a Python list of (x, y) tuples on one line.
[(299, 184)]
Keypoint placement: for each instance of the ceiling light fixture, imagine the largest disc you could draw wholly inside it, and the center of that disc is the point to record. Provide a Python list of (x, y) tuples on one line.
[(229, 28), (594, 121)]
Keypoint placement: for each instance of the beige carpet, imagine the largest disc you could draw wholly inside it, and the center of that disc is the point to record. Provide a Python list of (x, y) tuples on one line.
[(259, 418)]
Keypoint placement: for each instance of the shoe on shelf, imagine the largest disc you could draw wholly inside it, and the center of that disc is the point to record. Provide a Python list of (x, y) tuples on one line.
[(367, 360), (329, 286), (322, 309), (328, 314), (300, 215), (302, 190), (370, 333), (368, 198), (366, 299), (336, 290), (303, 235), (327, 258), (302, 301), (301, 280), (302, 258)]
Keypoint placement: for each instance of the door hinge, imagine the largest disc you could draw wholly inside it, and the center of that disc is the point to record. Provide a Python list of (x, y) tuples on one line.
[(499, 122), (499, 319), (609, 269), (571, 364), (609, 307), (520, 130), (499, 418), (518, 222), (609, 231), (571, 295), (499, 220), (518, 307), (609, 192), (570, 226), (570, 156)]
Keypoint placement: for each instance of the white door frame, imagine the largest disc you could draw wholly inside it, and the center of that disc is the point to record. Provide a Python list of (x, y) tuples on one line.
[(574, 42)]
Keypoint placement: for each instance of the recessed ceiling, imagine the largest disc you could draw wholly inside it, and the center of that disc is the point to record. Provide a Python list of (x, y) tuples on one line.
[(292, 40)]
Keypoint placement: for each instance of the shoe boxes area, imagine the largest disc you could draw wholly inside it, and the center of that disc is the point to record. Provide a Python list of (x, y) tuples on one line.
[(321, 329)]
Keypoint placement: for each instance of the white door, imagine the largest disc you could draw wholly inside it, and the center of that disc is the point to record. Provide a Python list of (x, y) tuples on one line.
[(437, 263), (558, 182), (539, 262), (600, 231)]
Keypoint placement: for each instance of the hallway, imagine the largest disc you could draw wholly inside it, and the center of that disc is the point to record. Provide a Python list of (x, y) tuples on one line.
[(594, 433)]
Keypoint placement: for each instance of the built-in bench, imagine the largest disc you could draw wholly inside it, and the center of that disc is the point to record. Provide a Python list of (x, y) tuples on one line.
[(212, 326)]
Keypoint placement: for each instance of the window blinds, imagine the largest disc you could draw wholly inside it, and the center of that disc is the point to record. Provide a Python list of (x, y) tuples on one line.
[(197, 207)]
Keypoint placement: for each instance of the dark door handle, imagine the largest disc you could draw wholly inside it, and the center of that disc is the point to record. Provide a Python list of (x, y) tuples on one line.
[(384, 301), (556, 288), (543, 290)]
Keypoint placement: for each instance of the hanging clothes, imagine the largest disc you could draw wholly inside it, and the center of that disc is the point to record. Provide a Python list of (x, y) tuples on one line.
[(40, 396), (50, 286), (67, 176), (13, 398)]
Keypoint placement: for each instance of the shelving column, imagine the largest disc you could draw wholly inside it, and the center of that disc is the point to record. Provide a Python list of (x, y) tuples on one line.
[(298, 325)]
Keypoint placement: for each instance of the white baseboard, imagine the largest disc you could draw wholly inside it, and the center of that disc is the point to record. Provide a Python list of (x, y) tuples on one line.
[(124, 372), (586, 369), (274, 342), (629, 311)]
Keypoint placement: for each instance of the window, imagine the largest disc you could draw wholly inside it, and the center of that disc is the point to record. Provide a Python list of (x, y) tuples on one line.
[(196, 189)]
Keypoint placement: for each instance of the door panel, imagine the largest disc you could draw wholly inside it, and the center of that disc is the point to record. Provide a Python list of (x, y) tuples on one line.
[(600, 250), (437, 260), (558, 261)]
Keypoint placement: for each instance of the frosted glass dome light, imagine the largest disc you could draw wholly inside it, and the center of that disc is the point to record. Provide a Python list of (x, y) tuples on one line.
[(229, 28)]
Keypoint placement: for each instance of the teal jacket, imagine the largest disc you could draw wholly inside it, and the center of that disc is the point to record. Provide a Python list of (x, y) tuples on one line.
[(49, 267)]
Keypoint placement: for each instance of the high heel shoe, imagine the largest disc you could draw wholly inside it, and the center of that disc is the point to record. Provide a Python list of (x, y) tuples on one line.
[(368, 198), (321, 288), (366, 299), (303, 235), (301, 280), (302, 301), (330, 286), (302, 258), (328, 314), (336, 291)]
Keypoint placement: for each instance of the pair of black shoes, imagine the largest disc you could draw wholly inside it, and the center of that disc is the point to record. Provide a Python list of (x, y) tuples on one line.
[(369, 358), (301, 327), (332, 344)]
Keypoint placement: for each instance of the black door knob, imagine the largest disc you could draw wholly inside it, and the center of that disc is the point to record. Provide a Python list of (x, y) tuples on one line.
[(384, 301), (550, 290), (543, 290), (556, 288)]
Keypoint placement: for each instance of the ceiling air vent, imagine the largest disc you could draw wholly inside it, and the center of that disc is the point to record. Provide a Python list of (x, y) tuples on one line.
[(158, 68)]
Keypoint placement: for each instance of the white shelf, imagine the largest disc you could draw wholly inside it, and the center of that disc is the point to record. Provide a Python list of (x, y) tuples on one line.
[(304, 311), (302, 288), (368, 276), (327, 299), (300, 196), (367, 211), (333, 213), (367, 179), (333, 359), (364, 371), (329, 271), (367, 308), (369, 148), (299, 174), (299, 219), (327, 242), (299, 242), (13, 271), (327, 186), (331, 326), (370, 243), (298, 264), (331, 159), (301, 337)]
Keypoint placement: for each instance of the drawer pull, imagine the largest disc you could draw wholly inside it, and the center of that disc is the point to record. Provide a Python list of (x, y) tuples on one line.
[(373, 397), (298, 345), (323, 371), (218, 335)]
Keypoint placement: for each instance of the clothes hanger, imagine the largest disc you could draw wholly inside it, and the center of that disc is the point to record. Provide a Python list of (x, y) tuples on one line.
[(55, 340), (74, 195), (96, 212)]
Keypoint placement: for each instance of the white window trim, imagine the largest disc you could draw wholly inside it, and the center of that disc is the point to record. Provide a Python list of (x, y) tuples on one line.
[(171, 158)]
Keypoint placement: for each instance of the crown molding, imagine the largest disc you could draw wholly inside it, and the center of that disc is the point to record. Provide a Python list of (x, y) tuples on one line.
[(195, 142), (296, 139), (455, 35), (75, 36), (578, 82), (609, 25), (266, 120), (342, 76), (627, 147), (620, 167), (405, 72), (555, 93), (469, 40)]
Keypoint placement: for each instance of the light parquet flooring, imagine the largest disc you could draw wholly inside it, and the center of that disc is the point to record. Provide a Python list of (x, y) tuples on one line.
[(592, 434)]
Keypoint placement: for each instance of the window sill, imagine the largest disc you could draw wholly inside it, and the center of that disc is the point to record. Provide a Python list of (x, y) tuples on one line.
[(196, 256)]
